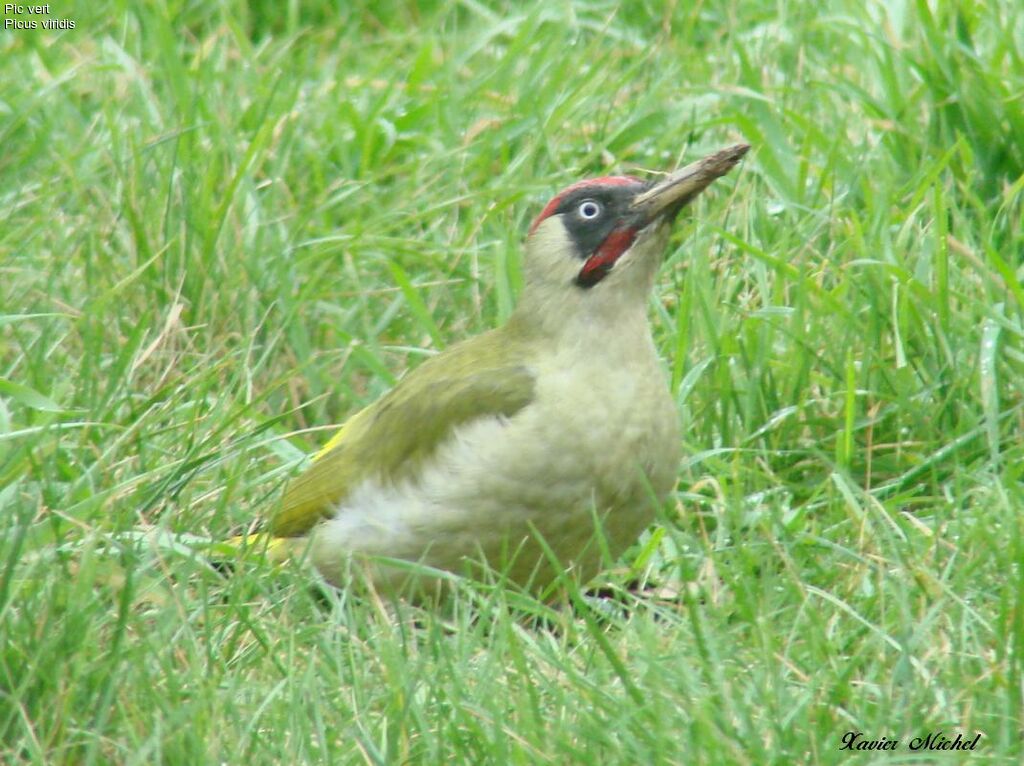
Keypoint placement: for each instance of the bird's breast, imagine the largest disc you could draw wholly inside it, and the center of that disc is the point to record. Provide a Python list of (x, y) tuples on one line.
[(616, 425)]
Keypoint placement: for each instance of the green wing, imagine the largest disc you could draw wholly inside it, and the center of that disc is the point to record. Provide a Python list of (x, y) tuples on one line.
[(393, 437)]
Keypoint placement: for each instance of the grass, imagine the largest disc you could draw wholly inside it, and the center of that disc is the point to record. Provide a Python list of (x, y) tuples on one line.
[(226, 226)]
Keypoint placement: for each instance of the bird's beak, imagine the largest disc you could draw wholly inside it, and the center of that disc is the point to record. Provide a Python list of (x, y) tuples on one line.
[(669, 196)]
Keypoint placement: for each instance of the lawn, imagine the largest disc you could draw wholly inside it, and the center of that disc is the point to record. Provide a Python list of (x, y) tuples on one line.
[(227, 226)]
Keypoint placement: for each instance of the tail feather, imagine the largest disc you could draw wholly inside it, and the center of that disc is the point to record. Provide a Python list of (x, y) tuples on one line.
[(277, 550)]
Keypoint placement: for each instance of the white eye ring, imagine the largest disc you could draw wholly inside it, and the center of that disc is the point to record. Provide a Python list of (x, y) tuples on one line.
[(589, 209)]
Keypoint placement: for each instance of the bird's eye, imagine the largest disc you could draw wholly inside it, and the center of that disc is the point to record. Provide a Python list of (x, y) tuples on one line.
[(589, 209)]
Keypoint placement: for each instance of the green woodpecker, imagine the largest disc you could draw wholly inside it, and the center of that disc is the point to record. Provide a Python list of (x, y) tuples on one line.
[(555, 421)]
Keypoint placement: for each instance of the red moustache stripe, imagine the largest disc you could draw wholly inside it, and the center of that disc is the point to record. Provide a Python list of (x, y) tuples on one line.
[(600, 263)]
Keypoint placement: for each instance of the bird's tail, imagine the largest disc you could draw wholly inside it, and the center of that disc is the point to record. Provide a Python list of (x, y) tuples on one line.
[(276, 550)]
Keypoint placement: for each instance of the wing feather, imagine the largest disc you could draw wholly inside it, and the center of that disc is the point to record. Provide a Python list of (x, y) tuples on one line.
[(392, 438)]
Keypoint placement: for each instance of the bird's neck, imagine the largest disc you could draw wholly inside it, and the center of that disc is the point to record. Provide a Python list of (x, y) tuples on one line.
[(604, 324)]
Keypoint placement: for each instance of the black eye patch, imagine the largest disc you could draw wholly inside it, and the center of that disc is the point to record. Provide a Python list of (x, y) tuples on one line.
[(588, 227)]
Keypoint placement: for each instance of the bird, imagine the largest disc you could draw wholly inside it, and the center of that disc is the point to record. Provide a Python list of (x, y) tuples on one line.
[(536, 448)]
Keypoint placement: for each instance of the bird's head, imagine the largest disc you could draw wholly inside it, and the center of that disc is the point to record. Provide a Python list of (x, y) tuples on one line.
[(602, 239)]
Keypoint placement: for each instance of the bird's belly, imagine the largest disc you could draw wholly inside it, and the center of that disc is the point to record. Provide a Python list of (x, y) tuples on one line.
[(497, 484)]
